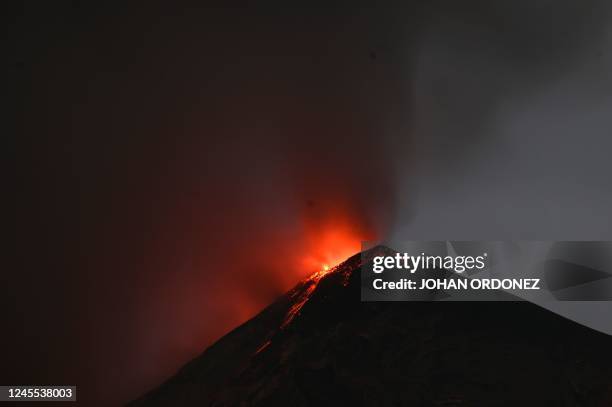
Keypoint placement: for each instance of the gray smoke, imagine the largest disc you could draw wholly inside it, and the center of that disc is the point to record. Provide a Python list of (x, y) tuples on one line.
[(510, 123), (510, 128)]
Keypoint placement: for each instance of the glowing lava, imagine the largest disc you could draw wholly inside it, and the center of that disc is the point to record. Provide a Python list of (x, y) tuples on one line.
[(302, 293), (329, 239), (301, 296), (327, 249)]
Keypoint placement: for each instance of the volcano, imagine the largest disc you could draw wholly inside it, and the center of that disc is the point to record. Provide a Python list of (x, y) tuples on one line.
[(319, 344)]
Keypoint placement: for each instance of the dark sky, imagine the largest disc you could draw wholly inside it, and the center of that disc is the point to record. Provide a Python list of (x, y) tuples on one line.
[(178, 167)]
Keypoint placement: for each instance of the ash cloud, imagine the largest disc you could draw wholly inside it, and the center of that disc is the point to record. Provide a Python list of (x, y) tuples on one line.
[(174, 158), (510, 123)]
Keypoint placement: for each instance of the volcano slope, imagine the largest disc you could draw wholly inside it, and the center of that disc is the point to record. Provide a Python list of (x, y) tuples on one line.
[(320, 345)]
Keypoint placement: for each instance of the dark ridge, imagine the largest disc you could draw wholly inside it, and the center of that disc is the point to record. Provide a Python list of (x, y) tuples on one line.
[(340, 351)]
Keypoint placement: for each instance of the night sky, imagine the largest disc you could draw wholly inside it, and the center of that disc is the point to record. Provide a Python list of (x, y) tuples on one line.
[(176, 168)]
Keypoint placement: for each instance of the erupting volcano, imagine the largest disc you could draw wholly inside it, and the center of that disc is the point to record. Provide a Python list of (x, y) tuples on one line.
[(320, 345)]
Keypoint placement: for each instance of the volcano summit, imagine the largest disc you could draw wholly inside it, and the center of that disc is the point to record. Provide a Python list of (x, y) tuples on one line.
[(320, 345)]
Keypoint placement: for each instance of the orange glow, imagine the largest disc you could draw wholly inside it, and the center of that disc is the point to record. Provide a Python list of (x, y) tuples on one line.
[(330, 247), (331, 234), (327, 244)]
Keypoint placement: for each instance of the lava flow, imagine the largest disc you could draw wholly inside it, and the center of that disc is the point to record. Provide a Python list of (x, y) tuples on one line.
[(301, 296), (328, 241)]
